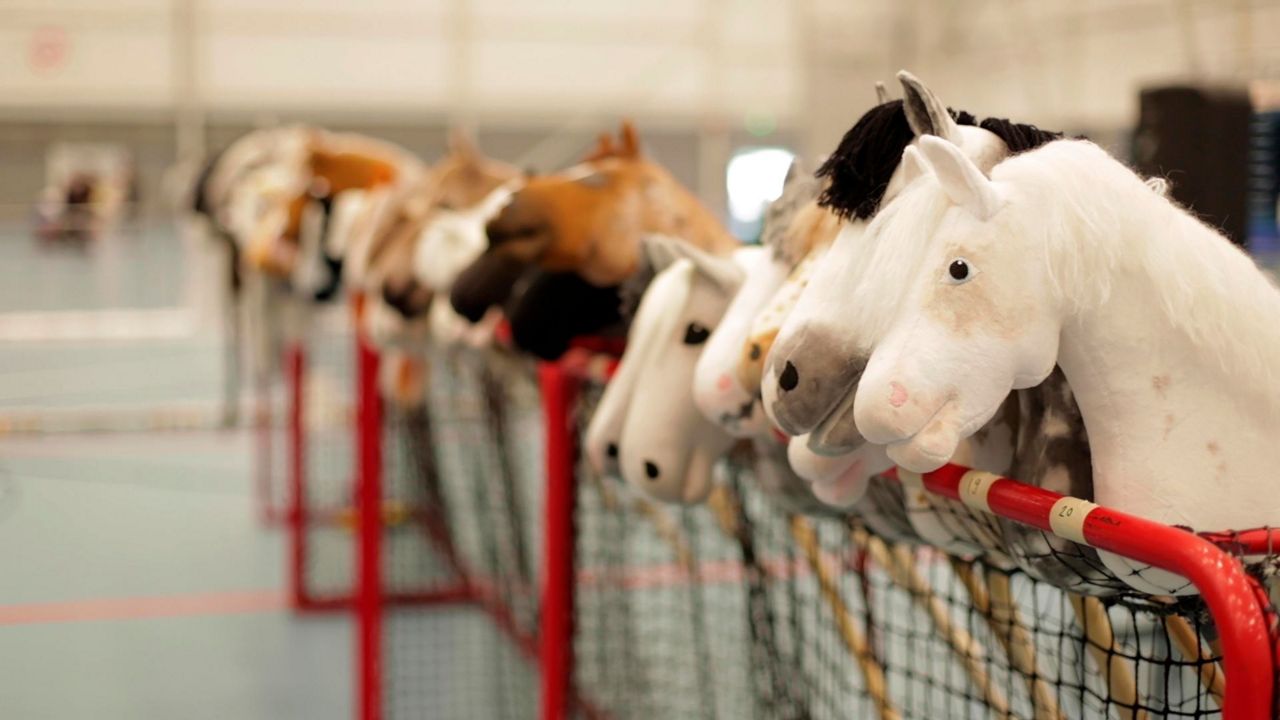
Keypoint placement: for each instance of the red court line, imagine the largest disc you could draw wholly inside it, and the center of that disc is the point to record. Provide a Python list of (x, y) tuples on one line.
[(143, 608)]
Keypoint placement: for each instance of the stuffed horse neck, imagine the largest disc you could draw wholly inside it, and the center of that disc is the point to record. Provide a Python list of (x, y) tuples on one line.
[(646, 427), (1164, 329)]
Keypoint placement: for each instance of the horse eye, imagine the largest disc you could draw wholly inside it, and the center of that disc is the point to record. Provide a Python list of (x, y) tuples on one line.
[(960, 271), (696, 334)]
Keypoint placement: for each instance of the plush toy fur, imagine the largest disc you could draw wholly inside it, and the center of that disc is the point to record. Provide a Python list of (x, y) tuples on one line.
[(1165, 331), (646, 427), (426, 235), (1036, 436)]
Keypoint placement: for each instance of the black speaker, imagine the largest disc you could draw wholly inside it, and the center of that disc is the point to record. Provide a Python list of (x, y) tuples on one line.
[(1198, 138)]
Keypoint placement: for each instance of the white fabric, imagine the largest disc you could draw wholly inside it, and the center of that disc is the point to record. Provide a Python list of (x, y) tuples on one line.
[(666, 448)]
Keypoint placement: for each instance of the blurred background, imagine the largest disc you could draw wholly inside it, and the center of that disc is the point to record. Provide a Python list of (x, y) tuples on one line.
[(138, 582)]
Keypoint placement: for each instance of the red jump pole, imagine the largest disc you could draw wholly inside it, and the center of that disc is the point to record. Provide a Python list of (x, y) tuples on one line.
[(556, 633), (369, 556), (1232, 596)]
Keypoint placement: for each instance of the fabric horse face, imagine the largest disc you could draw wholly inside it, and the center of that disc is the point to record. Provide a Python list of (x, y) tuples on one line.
[(585, 221), (872, 151), (1036, 436), (1165, 331), (646, 428), (817, 357)]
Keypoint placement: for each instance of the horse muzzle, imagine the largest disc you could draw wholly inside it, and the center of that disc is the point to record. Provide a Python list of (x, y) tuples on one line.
[(806, 376)]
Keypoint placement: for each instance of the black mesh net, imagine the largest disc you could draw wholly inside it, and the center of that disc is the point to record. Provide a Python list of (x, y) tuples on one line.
[(462, 481), (738, 609), (325, 510)]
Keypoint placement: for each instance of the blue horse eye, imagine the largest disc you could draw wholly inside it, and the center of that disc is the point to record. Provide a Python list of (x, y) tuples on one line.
[(696, 334)]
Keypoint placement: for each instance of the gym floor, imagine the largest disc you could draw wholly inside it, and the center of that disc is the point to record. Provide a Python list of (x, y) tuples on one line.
[(138, 581)]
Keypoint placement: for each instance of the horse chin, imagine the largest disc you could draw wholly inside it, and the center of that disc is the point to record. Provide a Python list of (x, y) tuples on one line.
[(847, 488), (837, 434), (928, 449)]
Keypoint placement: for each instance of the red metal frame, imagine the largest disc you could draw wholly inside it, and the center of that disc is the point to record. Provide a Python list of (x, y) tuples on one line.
[(556, 634), (295, 368), (369, 523), (1235, 600), (297, 515), (1249, 652), (372, 599)]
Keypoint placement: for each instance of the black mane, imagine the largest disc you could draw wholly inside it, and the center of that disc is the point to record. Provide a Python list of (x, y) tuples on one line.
[(1019, 137), (858, 172)]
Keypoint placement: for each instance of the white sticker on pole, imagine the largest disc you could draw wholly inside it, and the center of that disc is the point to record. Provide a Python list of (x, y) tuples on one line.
[(1066, 518), (974, 487)]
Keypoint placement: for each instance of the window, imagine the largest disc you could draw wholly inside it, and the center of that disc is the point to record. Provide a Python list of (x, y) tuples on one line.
[(754, 179)]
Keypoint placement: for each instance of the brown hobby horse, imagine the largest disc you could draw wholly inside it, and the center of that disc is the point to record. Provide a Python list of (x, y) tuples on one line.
[(560, 250), (457, 183), (430, 218), (334, 164)]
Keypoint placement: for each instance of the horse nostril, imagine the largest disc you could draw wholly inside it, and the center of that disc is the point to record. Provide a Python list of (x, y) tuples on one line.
[(651, 470), (789, 378), (611, 450)]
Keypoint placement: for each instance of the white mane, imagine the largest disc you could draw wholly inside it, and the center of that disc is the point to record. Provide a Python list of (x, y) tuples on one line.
[(1207, 288), (1097, 220)]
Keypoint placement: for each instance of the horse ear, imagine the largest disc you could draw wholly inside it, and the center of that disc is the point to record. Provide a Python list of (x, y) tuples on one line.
[(462, 144), (796, 171), (925, 112), (882, 93), (913, 166), (660, 251), (603, 149), (724, 272), (629, 142), (961, 180)]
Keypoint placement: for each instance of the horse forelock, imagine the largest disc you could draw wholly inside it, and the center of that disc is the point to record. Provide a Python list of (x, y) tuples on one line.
[(1019, 137), (860, 168)]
